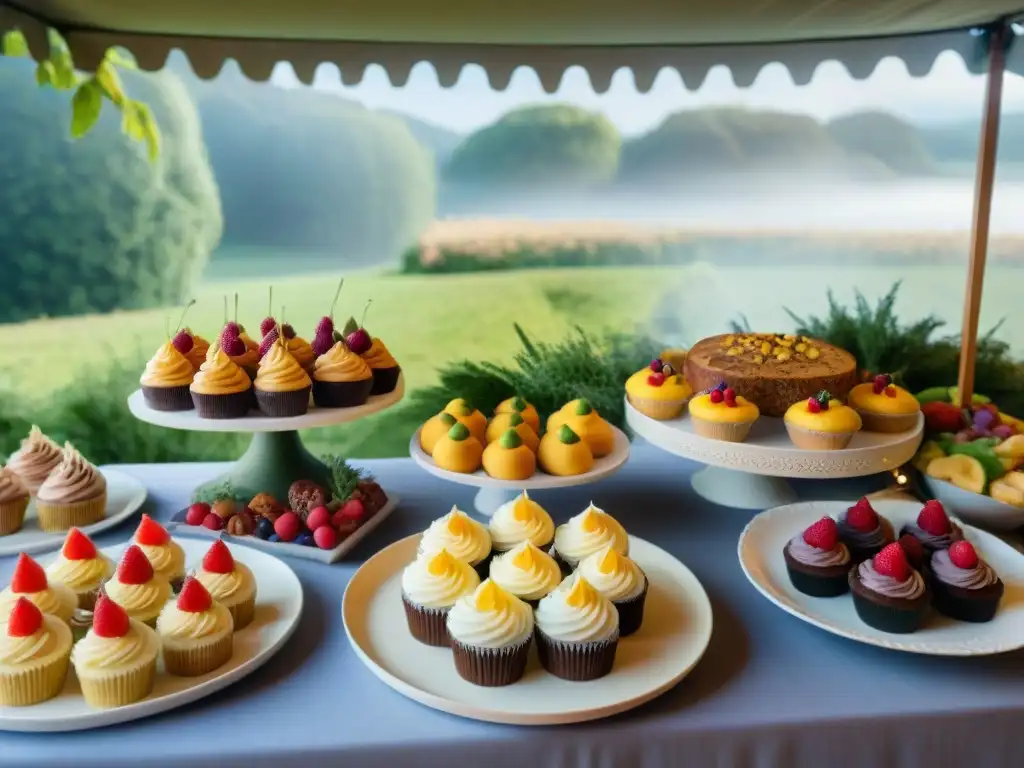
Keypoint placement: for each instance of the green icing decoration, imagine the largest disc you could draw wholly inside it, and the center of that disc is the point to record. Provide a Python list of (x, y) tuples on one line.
[(567, 436), (448, 420), (515, 420), (583, 407), (350, 327), (518, 404), (510, 439), (458, 433)]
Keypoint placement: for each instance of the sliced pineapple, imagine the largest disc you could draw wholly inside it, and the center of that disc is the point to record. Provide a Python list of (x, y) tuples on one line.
[(1009, 489), (964, 472)]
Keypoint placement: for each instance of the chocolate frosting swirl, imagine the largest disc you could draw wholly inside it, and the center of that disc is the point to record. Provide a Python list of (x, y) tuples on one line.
[(36, 459), (911, 589), (978, 577), (858, 539), (804, 553), (12, 488), (74, 480)]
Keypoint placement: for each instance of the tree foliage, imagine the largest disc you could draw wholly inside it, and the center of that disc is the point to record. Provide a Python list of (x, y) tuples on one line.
[(885, 137)]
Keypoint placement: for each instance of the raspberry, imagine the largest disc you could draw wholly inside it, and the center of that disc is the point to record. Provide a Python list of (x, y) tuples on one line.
[(892, 562), (287, 526), (233, 330), (267, 325), (862, 516), (813, 405), (218, 558), (213, 521), (325, 537), (197, 513), (150, 533), (325, 327), (912, 548), (183, 342), (353, 510), (823, 534), (134, 567), (109, 619), (268, 342), (322, 343), (78, 546), (25, 619), (963, 555), (716, 396), (232, 346), (29, 576), (656, 379), (193, 597), (933, 519), (318, 517)]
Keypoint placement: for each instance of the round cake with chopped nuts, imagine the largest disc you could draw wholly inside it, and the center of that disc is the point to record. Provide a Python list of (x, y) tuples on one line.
[(772, 371)]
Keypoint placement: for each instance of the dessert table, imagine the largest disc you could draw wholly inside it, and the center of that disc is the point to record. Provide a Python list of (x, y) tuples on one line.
[(771, 690)]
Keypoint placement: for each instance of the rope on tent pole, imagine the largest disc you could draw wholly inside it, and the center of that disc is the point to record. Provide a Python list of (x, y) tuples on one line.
[(998, 41)]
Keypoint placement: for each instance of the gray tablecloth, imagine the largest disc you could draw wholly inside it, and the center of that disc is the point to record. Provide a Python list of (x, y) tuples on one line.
[(771, 690)]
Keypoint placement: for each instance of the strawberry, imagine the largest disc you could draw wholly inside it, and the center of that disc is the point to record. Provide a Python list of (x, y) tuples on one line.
[(29, 576), (823, 534), (233, 346), (134, 567), (322, 342), (193, 597), (78, 546), (963, 555), (268, 342), (25, 619), (267, 325), (862, 516), (231, 330), (325, 327), (892, 562), (183, 342), (912, 548), (933, 519), (218, 558), (109, 619), (150, 533), (813, 405)]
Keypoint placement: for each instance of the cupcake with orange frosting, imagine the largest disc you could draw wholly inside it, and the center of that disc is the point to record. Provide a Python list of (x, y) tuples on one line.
[(282, 385), (341, 378), (14, 498), (165, 382), (37, 457), (821, 423), (75, 494), (81, 567), (385, 368), (221, 390), (301, 350), (238, 351), (884, 407), (199, 350)]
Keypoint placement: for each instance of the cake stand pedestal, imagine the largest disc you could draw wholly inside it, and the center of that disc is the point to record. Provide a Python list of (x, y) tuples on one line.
[(276, 456), (752, 474), (493, 493)]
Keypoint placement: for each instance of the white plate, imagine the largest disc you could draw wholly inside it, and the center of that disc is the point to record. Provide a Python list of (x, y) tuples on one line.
[(315, 417), (278, 608), (760, 553), (674, 636), (125, 495), (769, 451), (976, 509), (287, 549)]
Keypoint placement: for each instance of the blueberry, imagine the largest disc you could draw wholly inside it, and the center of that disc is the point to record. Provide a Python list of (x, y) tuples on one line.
[(273, 538), (264, 529), (305, 540)]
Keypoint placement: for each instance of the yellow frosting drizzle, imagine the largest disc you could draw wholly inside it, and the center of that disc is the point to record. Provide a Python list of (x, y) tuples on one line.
[(610, 562), (591, 522), (168, 368), (457, 525), (581, 594), (377, 356), (218, 375), (442, 564), (523, 510), (340, 363), (280, 372), (490, 597), (525, 559)]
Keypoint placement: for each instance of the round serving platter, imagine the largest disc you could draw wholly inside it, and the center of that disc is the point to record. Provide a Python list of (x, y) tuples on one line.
[(760, 554), (278, 608), (675, 633)]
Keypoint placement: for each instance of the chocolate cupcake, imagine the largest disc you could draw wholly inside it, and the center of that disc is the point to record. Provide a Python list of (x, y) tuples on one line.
[(36, 458), (817, 562), (490, 633), (527, 572), (577, 631), (341, 379), (463, 537), (620, 580), (430, 586), (166, 380), (282, 385), (864, 531), (888, 594), (385, 369), (220, 389), (933, 528), (964, 587)]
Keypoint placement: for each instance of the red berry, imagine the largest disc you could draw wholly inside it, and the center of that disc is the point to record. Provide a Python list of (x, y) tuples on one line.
[(213, 521), (892, 562), (963, 555), (25, 619), (656, 365), (150, 533), (193, 597), (267, 325), (134, 567), (218, 558), (344, 527), (933, 519), (912, 548), (183, 342), (729, 394), (78, 546), (862, 516), (656, 379), (359, 341), (28, 577), (288, 331), (716, 396), (231, 330), (268, 342), (233, 346), (318, 517), (890, 391), (197, 513), (325, 327), (325, 537), (353, 510), (880, 382), (322, 343), (287, 526), (109, 619), (823, 534), (813, 405)]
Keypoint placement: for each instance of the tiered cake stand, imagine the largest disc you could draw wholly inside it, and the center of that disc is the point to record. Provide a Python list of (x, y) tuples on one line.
[(276, 456), (752, 474)]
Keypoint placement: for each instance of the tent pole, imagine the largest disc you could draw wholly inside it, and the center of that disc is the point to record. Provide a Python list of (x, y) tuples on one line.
[(984, 180)]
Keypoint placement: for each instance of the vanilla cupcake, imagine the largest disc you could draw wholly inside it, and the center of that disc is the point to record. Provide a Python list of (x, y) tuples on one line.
[(620, 580), (527, 572), (29, 581), (490, 632), (196, 632), (74, 494), (341, 378), (229, 582), (430, 586), (137, 588), (164, 554), (81, 567), (282, 384), (14, 498), (37, 457), (463, 537), (521, 519), (221, 389), (34, 653), (115, 662), (577, 631), (587, 533), (165, 382)]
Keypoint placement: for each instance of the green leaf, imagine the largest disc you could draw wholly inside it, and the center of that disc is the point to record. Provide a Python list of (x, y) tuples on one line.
[(131, 122), (44, 73), (14, 44), (109, 82), (150, 130), (86, 105), (65, 78), (119, 58)]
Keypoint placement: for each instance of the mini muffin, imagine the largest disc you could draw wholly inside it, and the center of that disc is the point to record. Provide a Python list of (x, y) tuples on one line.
[(817, 561), (196, 632), (658, 391), (577, 631), (74, 494), (586, 533), (463, 537), (521, 519), (526, 572), (509, 458), (518, 404), (433, 429), (137, 588), (430, 586), (115, 662), (164, 554), (564, 453), (230, 583), (220, 389), (490, 633), (466, 414), (385, 369), (821, 423), (884, 407), (29, 581), (14, 498), (964, 587), (341, 378), (721, 414), (34, 653), (592, 429), (933, 528), (620, 580), (37, 457), (503, 422), (888, 594), (864, 531), (458, 451), (81, 567), (282, 385)]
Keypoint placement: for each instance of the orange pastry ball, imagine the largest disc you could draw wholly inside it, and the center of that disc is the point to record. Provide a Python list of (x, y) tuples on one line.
[(588, 424), (512, 420), (466, 414), (519, 405), (557, 419), (508, 458), (434, 428), (563, 452), (458, 450)]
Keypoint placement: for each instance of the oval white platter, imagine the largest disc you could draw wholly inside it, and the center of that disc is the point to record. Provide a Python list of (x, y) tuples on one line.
[(675, 633), (769, 451), (760, 554), (254, 422), (125, 495), (975, 508), (278, 608)]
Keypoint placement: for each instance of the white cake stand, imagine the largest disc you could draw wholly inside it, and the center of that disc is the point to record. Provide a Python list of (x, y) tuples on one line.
[(493, 492), (275, 457), (752, 474)]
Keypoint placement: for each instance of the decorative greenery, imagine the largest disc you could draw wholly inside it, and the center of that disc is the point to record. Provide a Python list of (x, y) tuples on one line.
[(214, 493), (344, 478)]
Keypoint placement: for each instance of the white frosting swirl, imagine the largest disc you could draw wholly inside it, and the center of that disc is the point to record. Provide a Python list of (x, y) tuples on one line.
[(526, 571), (438, 579), (586, 533), (52, 639), (518, 520), (463, 537), (57, 600), (490, 617), (577, 613), (81, 575), (142, 601), (182, 628), (228, 588), (95, 655), (613, 575), (168, 560)]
